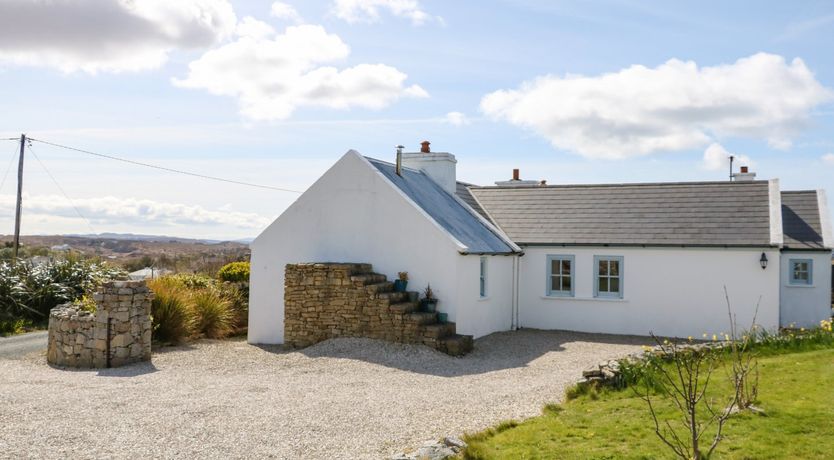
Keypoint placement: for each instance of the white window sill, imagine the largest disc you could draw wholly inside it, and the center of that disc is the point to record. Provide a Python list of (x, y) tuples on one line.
[(585, 299), (799, 285), (483, 299)]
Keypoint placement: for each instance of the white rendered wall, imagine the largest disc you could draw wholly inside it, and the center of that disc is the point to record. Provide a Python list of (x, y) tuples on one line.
[(670, 292), (352, 214), (806, 306), (481, 316)]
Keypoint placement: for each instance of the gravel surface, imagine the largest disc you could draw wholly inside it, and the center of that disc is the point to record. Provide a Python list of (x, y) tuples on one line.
[(343, 398), (17, 346)]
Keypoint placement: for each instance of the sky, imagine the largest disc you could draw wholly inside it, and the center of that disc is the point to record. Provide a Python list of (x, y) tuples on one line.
[(273, 93)]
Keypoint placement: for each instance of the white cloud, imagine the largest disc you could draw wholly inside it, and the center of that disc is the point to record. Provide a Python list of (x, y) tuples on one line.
[(109, 210), (456, 119), (271, 77), (286, 12), (716, 158), (251, 27), (675, 106), (828, 158), (112, 35), (368, 11)]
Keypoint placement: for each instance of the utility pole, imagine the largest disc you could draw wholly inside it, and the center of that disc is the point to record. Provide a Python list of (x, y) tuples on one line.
[(19, 197)]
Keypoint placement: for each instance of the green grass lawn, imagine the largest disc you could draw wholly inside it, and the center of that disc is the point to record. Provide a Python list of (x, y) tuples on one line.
[(796, 391)]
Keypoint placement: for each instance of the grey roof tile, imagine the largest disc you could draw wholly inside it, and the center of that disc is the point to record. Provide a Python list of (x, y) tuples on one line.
[(448, 212), (801, 220), (697, 213)]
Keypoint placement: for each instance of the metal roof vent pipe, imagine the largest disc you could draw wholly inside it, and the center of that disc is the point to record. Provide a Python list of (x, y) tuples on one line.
[(399, 167), (744, 174)]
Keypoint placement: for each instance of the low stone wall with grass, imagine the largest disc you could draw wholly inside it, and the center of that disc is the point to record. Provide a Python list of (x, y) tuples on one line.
[(120, 326)]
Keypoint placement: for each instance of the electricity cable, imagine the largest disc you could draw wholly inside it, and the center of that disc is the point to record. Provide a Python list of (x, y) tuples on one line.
[(164, 168)]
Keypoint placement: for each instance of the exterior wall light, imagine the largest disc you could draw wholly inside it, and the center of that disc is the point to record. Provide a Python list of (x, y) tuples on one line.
[(763, 261)]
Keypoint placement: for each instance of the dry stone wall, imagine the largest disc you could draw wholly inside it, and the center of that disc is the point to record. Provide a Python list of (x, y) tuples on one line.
[(118, 333), (328, 300)]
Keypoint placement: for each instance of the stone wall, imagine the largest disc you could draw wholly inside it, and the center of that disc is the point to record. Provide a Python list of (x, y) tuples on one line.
[(328, 300), (78, 338)]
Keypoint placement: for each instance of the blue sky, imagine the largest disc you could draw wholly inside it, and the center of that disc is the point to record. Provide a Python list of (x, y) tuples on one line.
[(608, 91)]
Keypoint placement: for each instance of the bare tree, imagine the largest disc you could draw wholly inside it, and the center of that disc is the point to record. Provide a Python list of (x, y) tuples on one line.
[(683, 383), (744, 368)]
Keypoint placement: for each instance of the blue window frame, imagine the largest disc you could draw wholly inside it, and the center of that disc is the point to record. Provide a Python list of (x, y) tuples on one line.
[(801, 272), (608, 276), (483, 278), (560, 275)]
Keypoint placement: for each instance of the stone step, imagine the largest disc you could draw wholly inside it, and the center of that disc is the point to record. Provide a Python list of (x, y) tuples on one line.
[(422, 318), (456, 345), (368, 278), (394, 297), (380, 287), (404, 307), (438, 330)]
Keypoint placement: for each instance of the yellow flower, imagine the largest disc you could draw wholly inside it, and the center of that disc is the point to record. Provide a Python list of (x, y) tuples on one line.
[(689, 338), (714, 337), (705, 335)]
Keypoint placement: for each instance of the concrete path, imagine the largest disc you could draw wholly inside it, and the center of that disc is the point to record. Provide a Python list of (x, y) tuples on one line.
[(17, 346)]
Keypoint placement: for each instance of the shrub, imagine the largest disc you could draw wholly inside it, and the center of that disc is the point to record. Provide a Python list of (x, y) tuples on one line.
[(173, 318), (192, 282), (238, 297), (11, 327), (213, 314), (29, 290), (234, 272)]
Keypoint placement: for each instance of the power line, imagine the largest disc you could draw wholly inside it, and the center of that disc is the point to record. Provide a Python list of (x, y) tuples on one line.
[(77, 211), (163, 168)]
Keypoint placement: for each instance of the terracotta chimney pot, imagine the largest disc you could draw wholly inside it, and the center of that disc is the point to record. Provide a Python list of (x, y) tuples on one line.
[(516, 174), (424, 147)]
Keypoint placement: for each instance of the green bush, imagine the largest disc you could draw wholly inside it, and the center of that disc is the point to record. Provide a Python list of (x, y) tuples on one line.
[(234, 272), (11, 327), (213, 314), (173, 317), (29, 291)]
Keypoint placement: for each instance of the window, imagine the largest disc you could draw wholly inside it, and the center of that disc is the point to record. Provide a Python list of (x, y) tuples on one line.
[(483, 290), (560, 276), (802, 271), (608, 278)]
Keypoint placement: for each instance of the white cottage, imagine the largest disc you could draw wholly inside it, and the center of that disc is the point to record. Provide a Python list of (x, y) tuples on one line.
[(617, 258)]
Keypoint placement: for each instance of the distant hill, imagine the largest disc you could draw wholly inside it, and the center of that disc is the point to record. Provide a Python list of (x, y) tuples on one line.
[(156, 238)]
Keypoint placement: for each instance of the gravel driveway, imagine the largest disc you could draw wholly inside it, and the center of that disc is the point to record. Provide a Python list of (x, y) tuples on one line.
[(344, 398)]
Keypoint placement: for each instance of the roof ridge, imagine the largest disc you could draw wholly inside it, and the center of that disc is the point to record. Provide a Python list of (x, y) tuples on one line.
[(621, 184)]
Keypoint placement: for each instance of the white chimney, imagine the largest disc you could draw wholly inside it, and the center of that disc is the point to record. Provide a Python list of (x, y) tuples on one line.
[(439, 166), (517, 182), (744, 175)]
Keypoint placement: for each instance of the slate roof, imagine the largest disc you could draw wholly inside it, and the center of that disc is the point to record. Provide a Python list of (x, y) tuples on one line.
[(448, 212), (464, 194), (801, 220), (662, 214)]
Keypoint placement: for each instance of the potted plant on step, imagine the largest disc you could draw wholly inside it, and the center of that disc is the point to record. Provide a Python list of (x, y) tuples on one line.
[(402, 282), (429, 301)]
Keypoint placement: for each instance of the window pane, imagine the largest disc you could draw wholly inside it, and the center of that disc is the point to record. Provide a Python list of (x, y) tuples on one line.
[(554, 267), (566, 283), (603, 284), (554, 283), (566, 267), (615, 285), (603, 267), (615, 268), (802, 276)]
